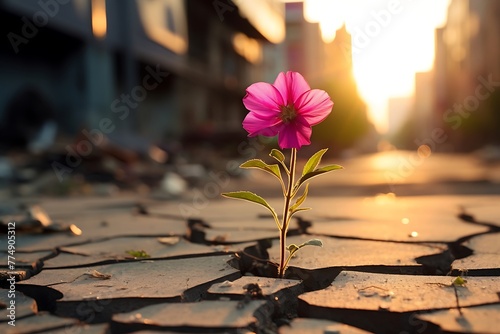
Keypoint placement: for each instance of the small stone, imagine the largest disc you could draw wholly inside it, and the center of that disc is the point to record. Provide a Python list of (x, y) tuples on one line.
[(75, 229), (96, 274), (384, 306), (226, 284), (170, 241), (331, 330)]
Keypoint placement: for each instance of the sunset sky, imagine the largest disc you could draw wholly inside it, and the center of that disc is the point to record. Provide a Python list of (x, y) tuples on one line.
[(391, 40)]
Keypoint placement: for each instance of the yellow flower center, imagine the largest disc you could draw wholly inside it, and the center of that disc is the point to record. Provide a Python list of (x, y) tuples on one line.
[(288, 113)]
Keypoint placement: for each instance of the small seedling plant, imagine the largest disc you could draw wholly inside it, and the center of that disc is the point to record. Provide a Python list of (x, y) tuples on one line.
[(289, 109)]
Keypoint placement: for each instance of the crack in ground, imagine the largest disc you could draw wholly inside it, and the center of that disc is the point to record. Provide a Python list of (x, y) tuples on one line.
[(115, 261), (441, 264), (253, 260)]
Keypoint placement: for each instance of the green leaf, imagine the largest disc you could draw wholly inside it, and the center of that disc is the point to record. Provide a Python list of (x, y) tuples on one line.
[(254, 198), (317, 172), (293, 248), (459, 281), (138, 253), (277, 154), (298, 210), (259, 164), (313, 162), (312, 242), (280, 157), (300, 200)]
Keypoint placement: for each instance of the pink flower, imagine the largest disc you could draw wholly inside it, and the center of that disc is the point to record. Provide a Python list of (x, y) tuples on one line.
[(288, 108)]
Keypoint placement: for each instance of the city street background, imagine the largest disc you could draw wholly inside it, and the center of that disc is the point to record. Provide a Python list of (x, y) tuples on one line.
[(106, 97)]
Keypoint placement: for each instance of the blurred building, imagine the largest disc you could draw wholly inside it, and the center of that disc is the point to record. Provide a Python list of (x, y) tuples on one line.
[(399, 110), (304, 46), (159, 69), (423, 104), (308, 54), (327, 66), (467, 68)]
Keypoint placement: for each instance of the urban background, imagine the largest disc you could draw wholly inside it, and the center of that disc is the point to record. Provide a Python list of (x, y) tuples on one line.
[(104, 95)]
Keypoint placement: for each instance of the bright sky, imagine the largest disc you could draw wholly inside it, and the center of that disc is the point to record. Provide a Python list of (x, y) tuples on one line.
[(391, 40)]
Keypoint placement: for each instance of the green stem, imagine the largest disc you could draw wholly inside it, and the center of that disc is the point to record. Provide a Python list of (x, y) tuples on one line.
[(288, 260), (286, 214)]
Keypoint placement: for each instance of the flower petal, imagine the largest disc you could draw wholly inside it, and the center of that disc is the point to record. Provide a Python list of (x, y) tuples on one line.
[(256, 125), (294, 135), (291, 85), (314, 106), (263, 99)]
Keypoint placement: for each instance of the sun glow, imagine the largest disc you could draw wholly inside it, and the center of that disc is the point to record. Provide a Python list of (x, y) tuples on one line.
[(391, 41)]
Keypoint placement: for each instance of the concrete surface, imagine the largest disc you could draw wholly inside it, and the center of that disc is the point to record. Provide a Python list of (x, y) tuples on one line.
[(158, 270)]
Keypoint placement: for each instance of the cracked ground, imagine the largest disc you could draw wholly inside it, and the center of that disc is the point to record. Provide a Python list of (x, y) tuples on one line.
[(388, 265)]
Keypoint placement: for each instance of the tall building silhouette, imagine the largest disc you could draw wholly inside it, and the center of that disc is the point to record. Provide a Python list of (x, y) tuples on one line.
[(467, 68), (328, 66)]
